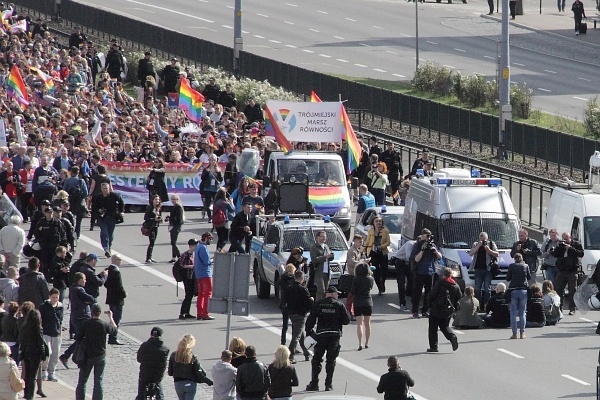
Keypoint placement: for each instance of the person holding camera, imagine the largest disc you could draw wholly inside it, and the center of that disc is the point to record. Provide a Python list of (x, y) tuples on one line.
[(549, 265), (152, 220), (378, 178), (320, 256), (424, 253), (482, 252), (530, 250), (376, 246), (568, 254)]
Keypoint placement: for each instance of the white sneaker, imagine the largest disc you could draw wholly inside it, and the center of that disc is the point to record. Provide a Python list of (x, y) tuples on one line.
[(576, 33)]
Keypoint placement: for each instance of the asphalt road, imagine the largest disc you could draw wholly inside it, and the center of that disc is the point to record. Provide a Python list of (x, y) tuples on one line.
[(552, 363), (376, 39)]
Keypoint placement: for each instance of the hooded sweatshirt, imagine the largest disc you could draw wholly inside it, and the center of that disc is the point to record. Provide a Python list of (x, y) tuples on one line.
[(223, 375), (9, 289)]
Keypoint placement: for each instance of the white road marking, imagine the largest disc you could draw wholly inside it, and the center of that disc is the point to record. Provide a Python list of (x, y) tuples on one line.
[(313, 30), (394, 305), (405, 35), (202, 27), (291, 46), (550, 72), (390, 52), (308, 51), (490, 57), (399, 76), (520, 65), (291, 5), (245, 32), (141, 9), (171, 11), (230, 7), (448, 66), (227, 26), (341, 60), (584, 319), (430, 42), (364, 44), (510, 353), (322, 12), (379, 70), (584, 79), (339, 37), (361, 65), (258, 36), (544, 90), (325, 55), (288, 22), (457, 331), (576, 380), (350, 19), (377, 27), (274, 41), (461, 50), (262, 15)]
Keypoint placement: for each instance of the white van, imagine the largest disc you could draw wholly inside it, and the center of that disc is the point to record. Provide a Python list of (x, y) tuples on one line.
[(327, 186), (575, 208), (456, 208)]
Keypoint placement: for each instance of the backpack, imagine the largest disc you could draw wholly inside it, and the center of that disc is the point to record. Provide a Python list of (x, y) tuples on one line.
[(219, 218), (178, 272), (75, 194)]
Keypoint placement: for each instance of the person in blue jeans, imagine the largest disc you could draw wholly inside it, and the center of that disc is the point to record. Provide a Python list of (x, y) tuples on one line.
[(518, 275), (240, 229), (186, 370), (106, 207), (483, 252)]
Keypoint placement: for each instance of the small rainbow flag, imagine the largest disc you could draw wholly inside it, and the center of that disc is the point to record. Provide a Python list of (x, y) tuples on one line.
[(16, 86), (326, 200), (314, 98), (47, 79), (273, 129), (190, 101), (354, 150)]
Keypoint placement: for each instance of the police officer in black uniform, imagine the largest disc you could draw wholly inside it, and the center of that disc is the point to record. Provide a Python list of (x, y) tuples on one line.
[(329, 315), (420, 162), (391, 158), (49, 233)]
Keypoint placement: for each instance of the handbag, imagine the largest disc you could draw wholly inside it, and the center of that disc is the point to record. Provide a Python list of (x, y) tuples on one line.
[(145, 229), (494, 267), (16, 383), (119, 219), (79, 353), (346, 283)]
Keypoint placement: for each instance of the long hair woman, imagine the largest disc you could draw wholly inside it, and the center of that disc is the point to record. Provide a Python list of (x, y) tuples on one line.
[(379, 180), (237, 346), (211, 179), (466, 317), (552, 304), (363, 302), (222, 203), (238, 194), (176, 220), (7, 367), (376, 247), (283, 375), (186, 370), (152, 220), (32, 349), (297, 259), (518, 275)]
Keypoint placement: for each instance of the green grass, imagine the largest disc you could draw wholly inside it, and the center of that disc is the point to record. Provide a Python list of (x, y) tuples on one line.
[(538, 118)]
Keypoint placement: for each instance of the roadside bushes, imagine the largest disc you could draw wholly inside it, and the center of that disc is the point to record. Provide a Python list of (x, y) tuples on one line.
[(591, 118)]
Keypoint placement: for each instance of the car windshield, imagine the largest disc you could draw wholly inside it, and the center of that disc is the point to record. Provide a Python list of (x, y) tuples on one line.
[(305, 238), (317, 172), (393, 222), (460, 230), (591, 231)]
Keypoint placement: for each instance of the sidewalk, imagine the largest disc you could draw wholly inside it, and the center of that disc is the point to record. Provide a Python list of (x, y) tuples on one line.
[(57, 391), (553, 22)]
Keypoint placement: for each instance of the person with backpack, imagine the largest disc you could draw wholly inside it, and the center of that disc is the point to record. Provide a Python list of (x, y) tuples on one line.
[(223, 213), (444, 299), (78, 193), (185, 271)]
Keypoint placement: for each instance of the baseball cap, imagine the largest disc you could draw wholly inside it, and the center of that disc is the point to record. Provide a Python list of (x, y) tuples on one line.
[(156, 332), (147, 53), (192, 242), (332, 289), (425, 150), (45, 203), (92, 256), (56, 208)]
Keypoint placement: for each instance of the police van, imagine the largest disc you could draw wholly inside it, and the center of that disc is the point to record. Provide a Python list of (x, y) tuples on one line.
[(456, 205)]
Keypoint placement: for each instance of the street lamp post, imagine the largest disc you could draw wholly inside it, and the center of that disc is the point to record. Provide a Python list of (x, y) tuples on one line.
[(238, 40), (504, 82)]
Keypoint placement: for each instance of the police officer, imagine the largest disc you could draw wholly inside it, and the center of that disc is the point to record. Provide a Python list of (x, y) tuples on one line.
[(49, 233), (365, 200), (391, 158), (420, 162), (329, 315)]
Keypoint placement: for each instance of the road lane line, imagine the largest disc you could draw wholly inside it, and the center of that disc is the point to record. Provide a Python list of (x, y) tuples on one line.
[(322, 12), (430, 42), (510, 353), (461, 50), (291, 5), (262, 15), (325, 55), (520, 65), (390, 52), (584, 319), (288, 22), (227, 26), (274, 41), (361, 65), (341, 60), (313, 30), (377, 27), (291, 46), (584, 79), (399, 76), (584, 383), (544, 90), (339, 360), (379, 70), (550, 72), (308, 51), (448, 66), (245, 32), (364, 44), (405, 35), (258, 36), (339, 37), (350, 19), (490, 57), (171, 11)]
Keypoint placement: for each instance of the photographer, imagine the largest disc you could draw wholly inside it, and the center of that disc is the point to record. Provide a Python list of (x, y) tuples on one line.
[(567, 253), (379, 181), (425, 253), (530, 250), (549, 264), (482, 252)]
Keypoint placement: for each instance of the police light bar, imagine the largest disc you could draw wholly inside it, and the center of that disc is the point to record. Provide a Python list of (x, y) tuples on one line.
[(470, 182)]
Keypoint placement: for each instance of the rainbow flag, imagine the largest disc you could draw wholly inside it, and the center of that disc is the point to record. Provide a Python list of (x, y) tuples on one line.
[(354, 149), (190, 101), (6, 14), (47, 79), (16, 86), (314, 98), (326, 200), (272, 128)]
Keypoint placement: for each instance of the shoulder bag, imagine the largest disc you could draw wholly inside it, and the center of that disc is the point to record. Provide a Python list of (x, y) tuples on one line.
[(16, 383), (79, 353)]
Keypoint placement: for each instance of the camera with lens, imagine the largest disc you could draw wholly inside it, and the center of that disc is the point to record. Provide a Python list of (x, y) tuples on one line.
[(428, 244), (374, 166), (562, 243), (484, 242)]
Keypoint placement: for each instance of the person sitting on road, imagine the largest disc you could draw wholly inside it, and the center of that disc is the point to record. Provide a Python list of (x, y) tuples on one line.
[(466, 316), (552, 303), (497, 309), (536, 314)]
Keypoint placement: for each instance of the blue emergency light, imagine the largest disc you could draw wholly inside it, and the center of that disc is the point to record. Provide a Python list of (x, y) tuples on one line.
[(383, 209), (286, 219), (470, 182)]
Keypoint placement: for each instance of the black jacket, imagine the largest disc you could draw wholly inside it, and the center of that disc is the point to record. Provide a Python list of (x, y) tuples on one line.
[(52, 318), (227, 100), (211, 92), (568, 262), (329, 315), (500, 309), (145, 68), (285, 281), (31, 341), (444, 288), (79, 301), (109, 206), (152, 356), (93, 282), (176, 216), (60, 279), (252, 379), (395, 384), (115, 292), (298, 299), (237, 225), (150, 217), (187, 372), (393, 163), (50, 233), (33, 287)]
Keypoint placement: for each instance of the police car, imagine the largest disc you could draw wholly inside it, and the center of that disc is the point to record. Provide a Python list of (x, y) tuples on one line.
[(270, 249)]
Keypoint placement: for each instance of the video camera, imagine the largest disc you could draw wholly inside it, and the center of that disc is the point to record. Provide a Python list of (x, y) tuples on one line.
[(428, 244)]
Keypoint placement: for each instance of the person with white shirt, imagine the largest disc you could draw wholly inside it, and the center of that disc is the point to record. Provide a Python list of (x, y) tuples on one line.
[(320, 255), (224, 375)]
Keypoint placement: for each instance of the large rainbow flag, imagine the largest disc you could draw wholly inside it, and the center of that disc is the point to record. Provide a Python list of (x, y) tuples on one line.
[(16, 86), (327, 199), (271, 128), (190, 101)]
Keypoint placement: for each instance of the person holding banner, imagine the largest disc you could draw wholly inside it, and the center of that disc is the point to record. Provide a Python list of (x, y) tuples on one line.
[(155, 182)]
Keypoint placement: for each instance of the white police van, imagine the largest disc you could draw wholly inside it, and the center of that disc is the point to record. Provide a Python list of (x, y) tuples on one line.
[(456, 205)]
